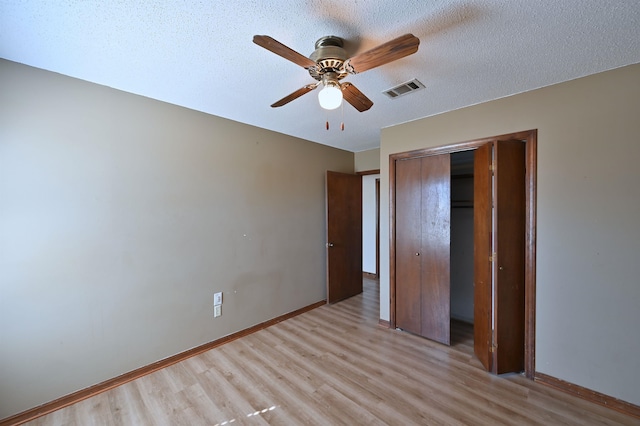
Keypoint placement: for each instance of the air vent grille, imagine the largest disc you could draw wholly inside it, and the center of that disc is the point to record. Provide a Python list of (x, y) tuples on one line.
[(404, 89)]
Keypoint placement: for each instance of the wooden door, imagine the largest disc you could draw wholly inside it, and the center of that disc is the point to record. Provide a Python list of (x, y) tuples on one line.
[(344, 236), (423, 239), (482, 251), (499, 255), (436, 248), (408, 214), (510, 247)]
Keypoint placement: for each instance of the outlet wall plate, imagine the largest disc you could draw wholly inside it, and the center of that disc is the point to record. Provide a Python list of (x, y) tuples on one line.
[(217, 299), (217, 311)]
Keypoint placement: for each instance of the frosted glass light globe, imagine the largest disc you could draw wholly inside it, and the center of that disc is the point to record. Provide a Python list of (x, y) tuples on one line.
[(330, 97)]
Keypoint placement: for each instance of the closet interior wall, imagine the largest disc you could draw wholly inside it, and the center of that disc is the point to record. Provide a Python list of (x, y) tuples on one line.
[(462, 236)]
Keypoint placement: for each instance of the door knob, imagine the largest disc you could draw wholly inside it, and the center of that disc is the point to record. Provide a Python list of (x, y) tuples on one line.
[(417, 254), (329, 244)]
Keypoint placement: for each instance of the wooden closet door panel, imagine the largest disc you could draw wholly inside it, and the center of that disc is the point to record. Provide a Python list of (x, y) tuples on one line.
[(436, 248), (509, 243), (499, 234), (482, 249), (408, 225)]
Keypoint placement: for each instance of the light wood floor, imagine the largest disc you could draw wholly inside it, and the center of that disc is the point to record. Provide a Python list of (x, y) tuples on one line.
[(334, 366)]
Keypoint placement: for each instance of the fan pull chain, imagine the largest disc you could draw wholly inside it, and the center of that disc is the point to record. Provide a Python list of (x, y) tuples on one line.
[(341, 123)]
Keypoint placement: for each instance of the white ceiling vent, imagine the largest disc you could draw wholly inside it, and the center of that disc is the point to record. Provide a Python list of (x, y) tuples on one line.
[(404, 89)]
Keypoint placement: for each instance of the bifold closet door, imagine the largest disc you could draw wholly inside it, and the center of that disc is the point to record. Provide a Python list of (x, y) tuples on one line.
[(423, 240), (408, 244), (499, 241)]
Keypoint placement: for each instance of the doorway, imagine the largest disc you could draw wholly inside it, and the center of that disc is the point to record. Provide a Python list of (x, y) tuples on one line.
[(529, 140), (370, 223)]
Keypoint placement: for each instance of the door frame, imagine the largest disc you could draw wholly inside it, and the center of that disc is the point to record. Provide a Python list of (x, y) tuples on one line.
[(378, 228), (530, 138)]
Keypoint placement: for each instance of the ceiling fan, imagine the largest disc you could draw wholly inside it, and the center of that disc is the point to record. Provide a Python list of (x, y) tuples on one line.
[(329, 64)]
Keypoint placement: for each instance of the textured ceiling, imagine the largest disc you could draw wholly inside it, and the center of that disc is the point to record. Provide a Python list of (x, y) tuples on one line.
[(199, 54)]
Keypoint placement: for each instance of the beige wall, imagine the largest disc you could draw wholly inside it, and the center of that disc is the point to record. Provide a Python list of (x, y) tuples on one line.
[(120, 217), (367, 160), (588, 247)]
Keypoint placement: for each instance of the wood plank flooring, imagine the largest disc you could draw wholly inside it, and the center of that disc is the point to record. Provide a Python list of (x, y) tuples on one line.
[(335, 366)]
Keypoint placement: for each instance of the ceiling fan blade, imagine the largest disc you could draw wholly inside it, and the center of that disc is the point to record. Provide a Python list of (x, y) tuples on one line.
[(282, 50), (295, 95), (355, 97), (388, 52)]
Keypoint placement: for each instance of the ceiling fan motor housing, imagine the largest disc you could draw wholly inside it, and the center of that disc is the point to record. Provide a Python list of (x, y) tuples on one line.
[(329, 57)]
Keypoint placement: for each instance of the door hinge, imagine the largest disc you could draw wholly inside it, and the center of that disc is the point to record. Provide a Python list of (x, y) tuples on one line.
[(492, 168), (492, 257), (493, 346)]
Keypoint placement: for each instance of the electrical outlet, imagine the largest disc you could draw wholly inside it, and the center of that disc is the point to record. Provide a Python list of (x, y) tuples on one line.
[(217, 311), (217, 299)]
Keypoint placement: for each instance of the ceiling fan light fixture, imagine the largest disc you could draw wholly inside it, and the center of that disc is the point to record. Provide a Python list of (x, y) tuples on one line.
[(330, 97), (328, 64)]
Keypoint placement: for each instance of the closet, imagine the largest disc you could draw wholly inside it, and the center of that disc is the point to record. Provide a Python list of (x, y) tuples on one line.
[(427, 195)]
